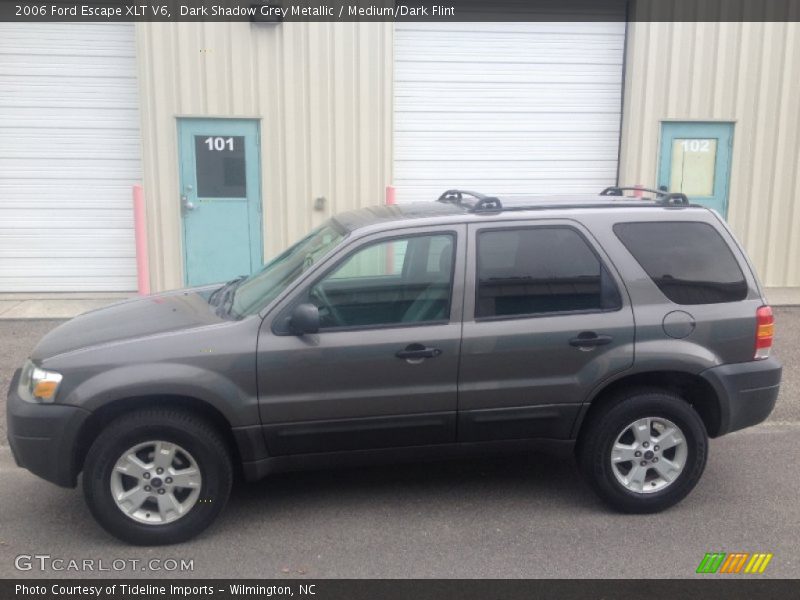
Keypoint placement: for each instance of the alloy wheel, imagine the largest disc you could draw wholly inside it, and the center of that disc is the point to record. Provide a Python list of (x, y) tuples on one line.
[(649, 455), (156, 482)]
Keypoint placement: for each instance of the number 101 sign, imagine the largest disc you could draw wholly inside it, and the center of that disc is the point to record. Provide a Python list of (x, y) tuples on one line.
[(219, 144)]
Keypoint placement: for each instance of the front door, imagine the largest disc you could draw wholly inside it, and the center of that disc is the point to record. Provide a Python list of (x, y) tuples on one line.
[(382, 371), (220, 199), (696, 160)]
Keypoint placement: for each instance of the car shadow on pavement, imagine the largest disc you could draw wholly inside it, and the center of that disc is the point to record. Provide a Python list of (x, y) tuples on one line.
[(536, 479)]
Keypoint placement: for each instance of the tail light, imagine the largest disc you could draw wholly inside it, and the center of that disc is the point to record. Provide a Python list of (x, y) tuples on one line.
[(765, 330)]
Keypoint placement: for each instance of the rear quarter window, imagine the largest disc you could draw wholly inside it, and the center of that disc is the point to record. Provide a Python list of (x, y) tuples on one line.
[(689, 262)]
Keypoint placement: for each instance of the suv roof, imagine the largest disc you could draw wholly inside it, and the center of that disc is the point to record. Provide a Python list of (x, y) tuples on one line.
[(460, 203)]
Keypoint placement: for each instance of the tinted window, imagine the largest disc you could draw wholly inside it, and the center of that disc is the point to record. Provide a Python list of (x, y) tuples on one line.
[(393, 282), (689, 262), (540, 270)]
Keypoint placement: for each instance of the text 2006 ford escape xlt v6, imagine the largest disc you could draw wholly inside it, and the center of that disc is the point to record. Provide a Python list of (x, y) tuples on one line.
[(631, 329)]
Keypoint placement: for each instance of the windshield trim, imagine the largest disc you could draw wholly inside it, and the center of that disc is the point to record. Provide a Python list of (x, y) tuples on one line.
[(340, 229)]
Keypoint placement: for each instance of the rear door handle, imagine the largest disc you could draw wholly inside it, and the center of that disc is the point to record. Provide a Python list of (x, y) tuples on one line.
[(417, 352), (589, 339)]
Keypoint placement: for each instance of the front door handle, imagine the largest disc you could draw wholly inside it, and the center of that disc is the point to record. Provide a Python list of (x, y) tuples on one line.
[(589, 339), (418, 352), (186, 204)]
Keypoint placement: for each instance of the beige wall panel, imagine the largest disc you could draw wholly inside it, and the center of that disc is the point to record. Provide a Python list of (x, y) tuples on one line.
[(748, 73), (322, 92)]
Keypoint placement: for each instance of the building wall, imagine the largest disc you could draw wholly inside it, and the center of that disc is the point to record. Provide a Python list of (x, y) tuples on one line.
[(323, 92), (741, 72)]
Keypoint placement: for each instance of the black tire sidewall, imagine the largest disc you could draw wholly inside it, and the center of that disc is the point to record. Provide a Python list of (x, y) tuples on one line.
[(597, 452), (205, 447)]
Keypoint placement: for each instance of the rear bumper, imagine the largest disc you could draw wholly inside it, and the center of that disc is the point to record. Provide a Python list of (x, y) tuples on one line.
[(747, 392), (43, 437)]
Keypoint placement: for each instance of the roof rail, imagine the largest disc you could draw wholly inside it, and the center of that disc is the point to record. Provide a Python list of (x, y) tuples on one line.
[(492, 204), (662, 196), (483, 202)]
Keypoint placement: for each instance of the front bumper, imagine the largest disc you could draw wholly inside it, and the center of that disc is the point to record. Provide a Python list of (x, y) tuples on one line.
[(43, 437), (747, 392)]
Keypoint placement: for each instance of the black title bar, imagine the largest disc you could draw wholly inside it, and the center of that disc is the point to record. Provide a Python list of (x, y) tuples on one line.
[(278, 11), (734, 588)]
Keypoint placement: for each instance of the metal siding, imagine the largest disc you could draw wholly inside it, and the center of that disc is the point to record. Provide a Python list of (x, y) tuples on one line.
[(322, 92), (69, 154), (506, 108), (744, 72)]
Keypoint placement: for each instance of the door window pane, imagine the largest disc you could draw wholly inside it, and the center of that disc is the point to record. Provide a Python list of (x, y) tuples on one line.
[(220, 164), (379, 260), (399, 281), (689, 262), (540, 270), (693, 166)]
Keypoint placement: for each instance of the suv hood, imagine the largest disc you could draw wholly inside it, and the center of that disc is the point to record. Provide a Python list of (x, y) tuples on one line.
[(139, 317)]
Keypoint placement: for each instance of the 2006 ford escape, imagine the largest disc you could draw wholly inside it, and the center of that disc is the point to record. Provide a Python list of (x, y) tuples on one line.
[(631, 329)]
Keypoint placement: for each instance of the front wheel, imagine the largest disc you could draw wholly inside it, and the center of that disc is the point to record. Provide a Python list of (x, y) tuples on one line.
[(157, 476), (645, 452)]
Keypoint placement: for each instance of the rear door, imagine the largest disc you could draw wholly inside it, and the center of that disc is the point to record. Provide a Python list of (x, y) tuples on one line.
[(548, 320)]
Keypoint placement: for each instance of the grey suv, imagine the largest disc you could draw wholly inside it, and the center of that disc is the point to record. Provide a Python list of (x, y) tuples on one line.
[(629, 330)]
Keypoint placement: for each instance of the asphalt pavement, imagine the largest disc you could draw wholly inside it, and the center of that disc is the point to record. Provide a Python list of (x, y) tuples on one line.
[(502, 517)]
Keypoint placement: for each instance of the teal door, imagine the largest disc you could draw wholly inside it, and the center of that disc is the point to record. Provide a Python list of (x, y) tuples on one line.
[(696, 160), (220, 198)]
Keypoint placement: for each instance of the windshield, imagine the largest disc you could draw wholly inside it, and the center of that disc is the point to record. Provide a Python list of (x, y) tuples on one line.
[(264, 286)]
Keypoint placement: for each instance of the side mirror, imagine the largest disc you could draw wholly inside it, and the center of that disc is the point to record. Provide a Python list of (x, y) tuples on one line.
[(304, 319)]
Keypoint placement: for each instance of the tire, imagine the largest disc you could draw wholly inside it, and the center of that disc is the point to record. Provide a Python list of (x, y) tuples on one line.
[(621, 429), (170, 509)]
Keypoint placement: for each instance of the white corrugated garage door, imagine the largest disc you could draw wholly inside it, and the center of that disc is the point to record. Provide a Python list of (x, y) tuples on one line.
[(69, 154), (506, 108)]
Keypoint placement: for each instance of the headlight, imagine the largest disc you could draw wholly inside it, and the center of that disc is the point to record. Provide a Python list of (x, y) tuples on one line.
[(38, 385)]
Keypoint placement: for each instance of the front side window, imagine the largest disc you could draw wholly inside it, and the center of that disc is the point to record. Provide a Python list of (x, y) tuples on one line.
[(688, 261), (378, 260), (391, 282), (540, 270)]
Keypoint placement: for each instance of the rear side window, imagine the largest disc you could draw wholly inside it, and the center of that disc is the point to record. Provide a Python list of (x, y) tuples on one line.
[(689, 262), (540, 270)]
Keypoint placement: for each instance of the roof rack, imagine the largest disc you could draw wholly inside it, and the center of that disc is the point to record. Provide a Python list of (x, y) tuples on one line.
[(483, 202), (662, 195), (492, 204)]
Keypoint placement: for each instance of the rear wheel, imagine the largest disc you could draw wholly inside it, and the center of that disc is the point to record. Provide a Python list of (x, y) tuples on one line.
[(157, 476), (645, 452)]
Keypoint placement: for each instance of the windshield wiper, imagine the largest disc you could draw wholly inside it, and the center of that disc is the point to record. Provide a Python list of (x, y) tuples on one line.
[(222, 292), (226, 303)]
